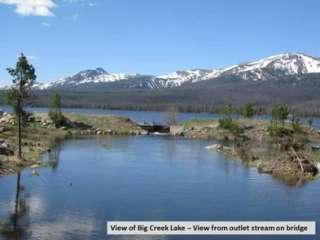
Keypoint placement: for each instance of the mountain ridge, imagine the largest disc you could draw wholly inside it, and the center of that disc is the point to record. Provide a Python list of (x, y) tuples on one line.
[(271, 68)]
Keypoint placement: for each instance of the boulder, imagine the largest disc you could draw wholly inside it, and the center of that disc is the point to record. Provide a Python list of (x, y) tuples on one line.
[(6, 118), (5, 149), (217, 147), (144, 132), (176, 130), (109, 131), (34, 166)]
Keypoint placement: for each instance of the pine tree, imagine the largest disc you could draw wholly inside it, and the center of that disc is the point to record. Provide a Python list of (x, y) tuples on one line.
[(23, 77), (247, 111), (280, 113), (55, 113)]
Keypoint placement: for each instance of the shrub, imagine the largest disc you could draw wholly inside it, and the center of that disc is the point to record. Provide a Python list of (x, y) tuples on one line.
[(230, 125), (57, 118), (296, 125), (278, 131)]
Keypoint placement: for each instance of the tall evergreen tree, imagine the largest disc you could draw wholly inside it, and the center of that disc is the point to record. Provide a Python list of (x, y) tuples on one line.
[(280, 113), (247, 111), (23, 77), (55, 113)]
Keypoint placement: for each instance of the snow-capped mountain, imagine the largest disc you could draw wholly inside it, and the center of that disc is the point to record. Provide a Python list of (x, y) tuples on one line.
[(179, 78), (271, 68), (90, 76), (275, 67)]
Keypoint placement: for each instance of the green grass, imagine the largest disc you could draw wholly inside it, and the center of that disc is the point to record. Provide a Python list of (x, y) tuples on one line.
[(200, 123), (314, 155)]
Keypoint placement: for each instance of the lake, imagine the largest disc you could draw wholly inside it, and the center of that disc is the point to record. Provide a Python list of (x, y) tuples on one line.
[(90, 181), (150, 116)]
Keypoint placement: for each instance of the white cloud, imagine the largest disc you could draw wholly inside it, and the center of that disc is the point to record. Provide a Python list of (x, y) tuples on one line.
[(32, 7), (82, 3), (46, 24)]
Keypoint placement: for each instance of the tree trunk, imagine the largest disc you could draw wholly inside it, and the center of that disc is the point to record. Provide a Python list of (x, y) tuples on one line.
[(19, 130), (16, 203)]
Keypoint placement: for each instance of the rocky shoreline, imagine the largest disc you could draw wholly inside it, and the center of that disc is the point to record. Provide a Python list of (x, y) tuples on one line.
[(288, 157)]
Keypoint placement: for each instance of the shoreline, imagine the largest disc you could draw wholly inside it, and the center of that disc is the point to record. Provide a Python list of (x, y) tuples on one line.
[(40, 136), (288, 157), (164, 111), (252, 146)]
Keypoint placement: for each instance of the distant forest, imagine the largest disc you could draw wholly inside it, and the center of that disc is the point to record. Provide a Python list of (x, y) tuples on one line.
[(302, 96)]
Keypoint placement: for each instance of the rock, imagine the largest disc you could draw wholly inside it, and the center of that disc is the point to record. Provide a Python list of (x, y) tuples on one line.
[(5, 149), (246, 127), (109, 131), (318, 167), (6, 118), (217, 147), (2, 129), (176, 130), (34, 166)]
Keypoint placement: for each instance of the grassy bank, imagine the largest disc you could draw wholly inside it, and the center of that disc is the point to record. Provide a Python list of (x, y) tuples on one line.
[(40, 135)]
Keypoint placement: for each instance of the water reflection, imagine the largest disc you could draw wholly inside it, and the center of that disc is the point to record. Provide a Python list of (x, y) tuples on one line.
[(17, 222), (53, 156), (142, 178)]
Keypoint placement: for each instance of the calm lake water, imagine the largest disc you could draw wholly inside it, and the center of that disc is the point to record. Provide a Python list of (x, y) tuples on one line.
[(91, 181), (138, 116), (150, 116)]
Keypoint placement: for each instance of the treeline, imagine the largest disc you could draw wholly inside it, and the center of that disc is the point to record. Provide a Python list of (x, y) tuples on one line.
[(140, 101)]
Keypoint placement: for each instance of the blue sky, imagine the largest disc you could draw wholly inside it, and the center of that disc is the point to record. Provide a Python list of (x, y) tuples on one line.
[(62, 37)]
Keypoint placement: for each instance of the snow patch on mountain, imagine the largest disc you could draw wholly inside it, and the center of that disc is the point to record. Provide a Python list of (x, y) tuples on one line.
[(277, 65), (273, 67)]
